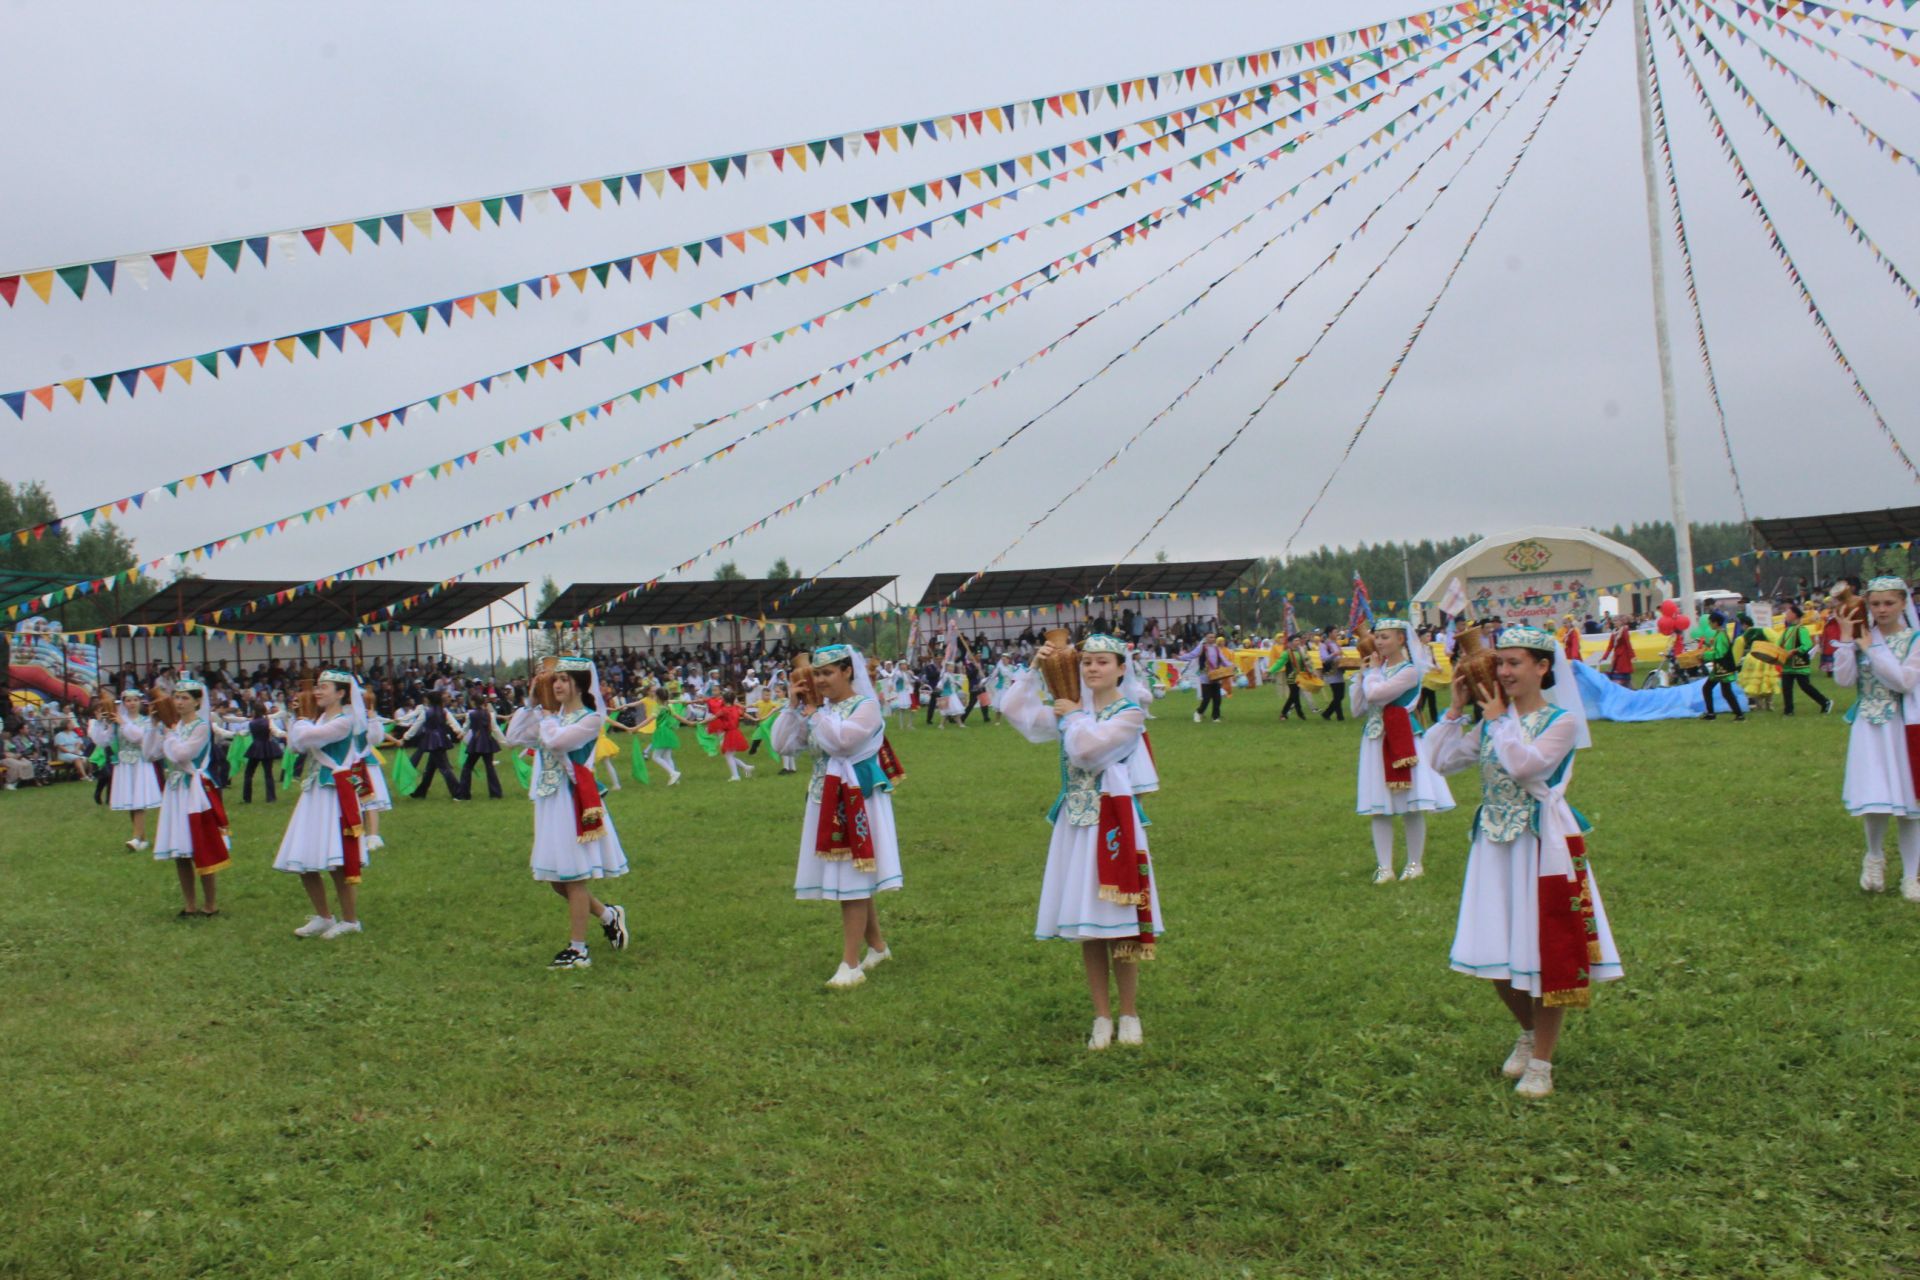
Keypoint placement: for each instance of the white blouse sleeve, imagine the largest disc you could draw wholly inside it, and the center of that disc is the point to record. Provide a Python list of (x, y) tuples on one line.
[(790, 732), (132, 732), (181, 748), (556, 736), (1029, 709), (99, 733), (1846, 665), (309, 735), (1526, 760), (839, 735), (523, 730), (1098, 745), (1451, 745), (1901, 676), (1372, 688)]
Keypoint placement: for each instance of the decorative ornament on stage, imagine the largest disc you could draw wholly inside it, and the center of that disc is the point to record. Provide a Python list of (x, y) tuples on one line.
[(1061, 668)]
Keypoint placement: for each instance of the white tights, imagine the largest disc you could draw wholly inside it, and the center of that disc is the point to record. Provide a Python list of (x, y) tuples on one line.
[(1908, 835), (1416, 824), (666, 760), (735, 764)]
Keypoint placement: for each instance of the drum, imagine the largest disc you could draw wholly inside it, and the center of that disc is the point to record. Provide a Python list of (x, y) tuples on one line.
[(1769, 652), (1223, 675), (1349, 662), (1311, 682), (1690, 659)]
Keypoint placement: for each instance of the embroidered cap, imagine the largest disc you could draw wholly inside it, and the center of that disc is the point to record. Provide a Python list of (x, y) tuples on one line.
[(1886, 582), (1393, 624), (130, 695), (1103, 644), (343, 678), (187, 684), (574, 662), (1526, 638), (833, 653)]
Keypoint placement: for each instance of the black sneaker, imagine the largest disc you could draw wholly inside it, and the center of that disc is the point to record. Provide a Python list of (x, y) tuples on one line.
[(571, 959), (617, 930)]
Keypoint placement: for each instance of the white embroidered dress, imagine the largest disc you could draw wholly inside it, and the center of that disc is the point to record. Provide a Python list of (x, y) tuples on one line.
[(313, 841), (1878, 777), (844, 739), (558, 852), (134, 784), (1525, 764), (1096, 751), (1373, 690), (382, 798), (184, 750)]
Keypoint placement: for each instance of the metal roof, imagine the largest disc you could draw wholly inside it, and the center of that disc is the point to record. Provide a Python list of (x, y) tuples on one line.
[(680, 603), (332, 608), (19, 585), (1026, 588), (1847, 529)]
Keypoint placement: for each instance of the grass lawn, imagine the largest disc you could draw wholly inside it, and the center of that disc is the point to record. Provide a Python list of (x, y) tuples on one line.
[(1317, 1096)]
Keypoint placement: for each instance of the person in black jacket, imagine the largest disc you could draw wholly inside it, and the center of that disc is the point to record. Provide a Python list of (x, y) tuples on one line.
[(433, 735), (483, 743), (263, 749)]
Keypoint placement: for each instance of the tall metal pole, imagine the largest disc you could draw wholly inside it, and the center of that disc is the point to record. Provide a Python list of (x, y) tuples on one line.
[(1656, 243)]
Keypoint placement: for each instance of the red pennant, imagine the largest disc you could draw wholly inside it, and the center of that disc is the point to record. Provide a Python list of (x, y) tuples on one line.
[(165, 262), (9, 288), (565, 196), (445, 214), (317, 237)]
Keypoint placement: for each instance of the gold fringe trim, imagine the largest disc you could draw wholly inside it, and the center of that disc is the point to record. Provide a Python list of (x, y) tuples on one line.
[(1593, 952), (1580, 998), (595, 814), (207, 871), (835, 855), (1132, 951), (1400, 786), (864, 864), (353, 879), (1408, 763), (1110, 894), (355, 831)]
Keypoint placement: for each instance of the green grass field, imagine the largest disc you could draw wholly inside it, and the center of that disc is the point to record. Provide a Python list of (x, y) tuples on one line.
[(1317, 1097)]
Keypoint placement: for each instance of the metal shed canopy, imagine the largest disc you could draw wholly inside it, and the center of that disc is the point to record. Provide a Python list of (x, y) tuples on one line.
[(333, 608), (680, 603), (1847, 529), (1024, 588)]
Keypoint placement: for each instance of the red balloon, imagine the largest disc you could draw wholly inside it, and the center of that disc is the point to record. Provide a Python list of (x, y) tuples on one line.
[(1669, 607), (1681, 622), (1667, 625)]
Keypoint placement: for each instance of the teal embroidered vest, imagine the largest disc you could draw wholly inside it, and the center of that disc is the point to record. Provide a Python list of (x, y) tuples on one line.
[(1079, 796), (1376, 727), (1877, 704), (1506, 811)]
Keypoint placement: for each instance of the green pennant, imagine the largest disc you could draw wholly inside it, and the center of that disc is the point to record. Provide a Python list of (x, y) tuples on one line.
[(370, 228), (229, 253), (600, 273), (76, 279), (778, 227), (860, 207), (512, 294), (419, 315), (103, 384), (720, 168), (173, 488), (819, 150), (493, 207), (692, 251), (910, 129), (959, 217), (311, 341), (613, 186), (210, 362), (611, 340), (918, 191), (694, 310)]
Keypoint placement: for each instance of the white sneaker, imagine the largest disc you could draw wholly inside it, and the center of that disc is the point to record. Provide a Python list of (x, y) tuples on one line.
[(748, 769), (314, 926), (673, 779), (1102, 1034), (375, 844), (1536, 1081), (1516, 1064), (846, 976), (1413, 872), (734, 778), (340, 929), (1383, 875), (1130, 1030), (1196, 717), (133, 846), (1910, 888), (1873, 872), (874, 959)]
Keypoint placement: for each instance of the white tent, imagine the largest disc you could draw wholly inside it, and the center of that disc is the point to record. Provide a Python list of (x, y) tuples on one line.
[(1541, 572)]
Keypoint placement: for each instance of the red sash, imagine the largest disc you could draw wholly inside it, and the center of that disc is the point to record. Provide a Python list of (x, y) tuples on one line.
[(844, 831), (1126, 877), (889, 762), (1399, 751), (208, 832), (1569, 934), (1913, 755), (1146, 740), (348, 786), (589, 815)]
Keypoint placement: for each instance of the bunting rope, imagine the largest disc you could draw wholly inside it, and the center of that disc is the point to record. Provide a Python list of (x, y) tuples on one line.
[(1762, 17), (1751, 195), (1830, 105), (1207, 191), (955, 478), (1540, 56), (1400, 361), (1172, 124), (557, 362), (1650, 66), (1771, 128), (483, 211)]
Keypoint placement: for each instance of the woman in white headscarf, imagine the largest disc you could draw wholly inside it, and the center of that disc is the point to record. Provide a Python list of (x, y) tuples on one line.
[(1394, 779), (1883, 663), (326, 834)]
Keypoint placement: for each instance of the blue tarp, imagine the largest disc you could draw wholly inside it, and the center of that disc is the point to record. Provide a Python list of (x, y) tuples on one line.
[(1606, 700)]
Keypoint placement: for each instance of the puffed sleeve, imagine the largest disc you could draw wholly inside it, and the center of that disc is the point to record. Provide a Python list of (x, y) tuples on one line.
[(131, 731), (1899, 675), (99, 733), (1372, 687), (1029, 709), (790, 732), (308, 735), (556, 736), (523, 730), (1100, 744), (1846, 665), (1451, 745), (1528, 760), (839, 735), (183, 747)]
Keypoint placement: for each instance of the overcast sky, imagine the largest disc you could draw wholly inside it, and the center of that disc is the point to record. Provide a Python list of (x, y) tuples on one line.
[(1532, 397)]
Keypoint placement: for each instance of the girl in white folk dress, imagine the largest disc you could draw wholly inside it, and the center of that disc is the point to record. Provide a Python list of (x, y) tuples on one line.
[(849, 850), (574, 842), (325, 836), (1099, 888), (1395, 779), (1531, 919), (192, 828), (379, 798), (1880, 784), (119, 730)]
